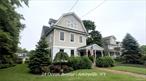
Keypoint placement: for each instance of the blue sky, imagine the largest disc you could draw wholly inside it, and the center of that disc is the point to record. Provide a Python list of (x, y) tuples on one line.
[(113, 17)]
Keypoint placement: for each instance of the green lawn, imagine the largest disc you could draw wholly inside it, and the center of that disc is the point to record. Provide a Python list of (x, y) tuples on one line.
[(131, 68), (20, 73)]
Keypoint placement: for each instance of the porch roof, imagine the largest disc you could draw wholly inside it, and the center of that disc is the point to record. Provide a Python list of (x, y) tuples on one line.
[(91, 47)]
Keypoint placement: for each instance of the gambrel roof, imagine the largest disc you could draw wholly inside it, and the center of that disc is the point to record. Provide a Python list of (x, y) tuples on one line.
[(55, 26)]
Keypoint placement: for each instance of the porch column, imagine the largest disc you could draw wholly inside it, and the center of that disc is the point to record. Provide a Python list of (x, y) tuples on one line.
[(95, 58), (91, 52), (115, 54), (86, 52), (108, 53)]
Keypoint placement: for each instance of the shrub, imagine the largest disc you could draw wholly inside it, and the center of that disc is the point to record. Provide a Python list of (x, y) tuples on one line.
[(27, 60), (105, 62), (56, 68), (19, 60), (61, 57), (6, 65), (143, 59), (80, 62), (91, 58)]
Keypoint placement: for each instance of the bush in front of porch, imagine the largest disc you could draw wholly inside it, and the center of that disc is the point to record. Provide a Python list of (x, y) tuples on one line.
[(82, 62), (105, 61)]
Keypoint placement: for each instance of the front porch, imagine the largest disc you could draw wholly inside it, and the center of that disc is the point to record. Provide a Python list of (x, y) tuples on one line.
[(91, 50)]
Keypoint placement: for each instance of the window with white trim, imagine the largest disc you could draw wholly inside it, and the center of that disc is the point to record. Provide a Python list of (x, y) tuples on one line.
[(62, 36), (81, 39), (72, 37)]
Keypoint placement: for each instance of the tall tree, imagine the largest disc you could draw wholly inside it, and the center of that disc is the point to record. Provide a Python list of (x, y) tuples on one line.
[(10, 27), (94, 36), (131, 52), (89, 25), (40, 58)]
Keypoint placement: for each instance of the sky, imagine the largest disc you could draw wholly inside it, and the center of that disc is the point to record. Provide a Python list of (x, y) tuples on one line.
[(112, 17)]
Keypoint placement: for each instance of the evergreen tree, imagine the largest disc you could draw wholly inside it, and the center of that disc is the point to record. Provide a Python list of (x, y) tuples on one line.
[(40, 58), (131, 51), (10, 27)]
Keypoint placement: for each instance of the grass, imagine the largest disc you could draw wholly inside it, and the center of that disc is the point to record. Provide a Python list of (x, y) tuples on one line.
[(20, 73), (131, 68)]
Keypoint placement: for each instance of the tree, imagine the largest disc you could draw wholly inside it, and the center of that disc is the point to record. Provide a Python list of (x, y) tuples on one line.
[(40, 58), (89, 25), (31, 52), (10, 27), (143, 49), (22, 50), (95, 38), (131, 52)]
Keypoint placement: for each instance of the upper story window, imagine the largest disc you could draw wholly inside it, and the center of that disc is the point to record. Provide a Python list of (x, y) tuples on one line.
[(80, 39), (71, 24), (72, 38), (62, 36)]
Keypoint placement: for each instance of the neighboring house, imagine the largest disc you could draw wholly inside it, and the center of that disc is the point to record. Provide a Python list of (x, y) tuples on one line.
[(111, 46), (67, 34), (23, 56)]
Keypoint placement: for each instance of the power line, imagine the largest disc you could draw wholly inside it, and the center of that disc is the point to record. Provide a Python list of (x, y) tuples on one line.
[(93, 8), (73, 5)]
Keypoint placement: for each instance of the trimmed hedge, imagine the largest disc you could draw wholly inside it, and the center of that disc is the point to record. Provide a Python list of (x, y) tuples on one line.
[(105, 62), (82, 62)]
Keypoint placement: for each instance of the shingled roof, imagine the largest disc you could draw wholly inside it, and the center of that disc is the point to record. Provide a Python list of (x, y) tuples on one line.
[(45, 30)]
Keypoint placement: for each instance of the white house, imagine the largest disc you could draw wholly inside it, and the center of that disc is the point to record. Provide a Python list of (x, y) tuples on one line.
[(66, 34), (111, 46)]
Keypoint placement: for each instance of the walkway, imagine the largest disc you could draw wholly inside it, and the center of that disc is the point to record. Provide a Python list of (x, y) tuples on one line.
[(123, 72)]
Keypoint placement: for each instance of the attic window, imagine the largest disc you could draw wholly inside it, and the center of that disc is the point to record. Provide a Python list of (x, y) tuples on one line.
[(71, 24)]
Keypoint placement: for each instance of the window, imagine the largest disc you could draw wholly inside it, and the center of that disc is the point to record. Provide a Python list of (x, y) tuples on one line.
[(75, 25), (61, 35), (61, 50), (71, 24), (68, 23), (72, 38), (72, 52), (81, 39)]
